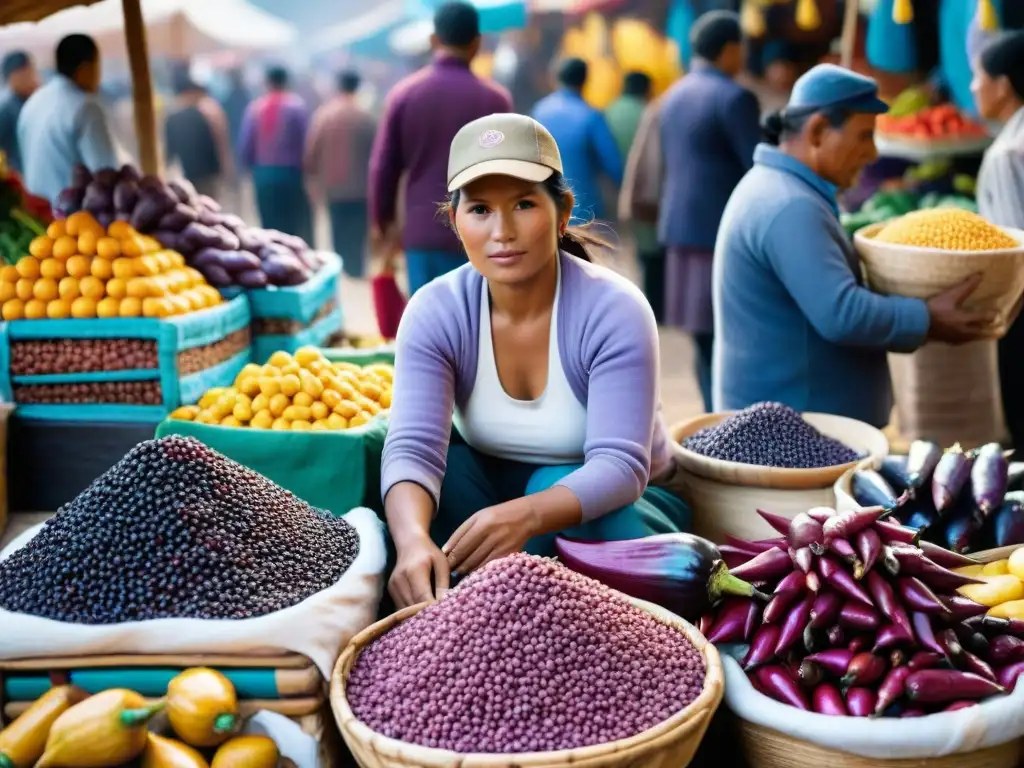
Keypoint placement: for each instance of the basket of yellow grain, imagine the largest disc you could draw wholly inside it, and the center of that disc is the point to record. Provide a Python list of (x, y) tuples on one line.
[(926, 252)]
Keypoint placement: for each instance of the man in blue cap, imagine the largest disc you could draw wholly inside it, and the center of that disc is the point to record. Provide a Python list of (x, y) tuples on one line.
[(793, 320)]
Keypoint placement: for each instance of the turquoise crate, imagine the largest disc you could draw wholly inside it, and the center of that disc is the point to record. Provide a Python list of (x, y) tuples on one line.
[(294, 302), (316, 335), (172, 336)]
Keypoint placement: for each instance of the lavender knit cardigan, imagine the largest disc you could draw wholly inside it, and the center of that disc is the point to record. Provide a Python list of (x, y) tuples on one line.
[(608, 344)]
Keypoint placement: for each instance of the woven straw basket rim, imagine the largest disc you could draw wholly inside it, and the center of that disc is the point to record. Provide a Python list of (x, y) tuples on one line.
[(694, 717), (864, 234), (839, 428)]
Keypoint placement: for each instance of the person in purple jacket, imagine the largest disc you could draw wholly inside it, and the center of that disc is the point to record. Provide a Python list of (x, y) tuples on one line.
[(550, 365)]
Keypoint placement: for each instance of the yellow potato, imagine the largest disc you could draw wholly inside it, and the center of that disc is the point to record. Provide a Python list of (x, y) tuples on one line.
[(346, 409), (262, 419), (320, 426), (230, 421), (1013, 609), (242, 411), (1016, 563), (385, 399), (260, 402), (249, 370), (306, 355), (212, 396), (330, 398), (359, 419), (311, 385), (995, 590), (297, 413), (291, 367), (301, 425), (970, 570), (280, 424), (185, 413), (290, 384), (270, 386), (250, 386), (303, 399), (280, 359), (319, 410), (996, 568), (334, 421), (277, 404)]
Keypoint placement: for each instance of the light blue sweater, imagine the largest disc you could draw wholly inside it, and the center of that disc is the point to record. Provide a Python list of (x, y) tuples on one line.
[(793, 322)]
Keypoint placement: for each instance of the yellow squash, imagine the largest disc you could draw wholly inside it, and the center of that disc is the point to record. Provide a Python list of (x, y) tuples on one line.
[(24, 741), (168, 753), (1015, 564), (1014, 609), (996, 568), (995, 590), (247, 752), (202, 707), (105, 730)]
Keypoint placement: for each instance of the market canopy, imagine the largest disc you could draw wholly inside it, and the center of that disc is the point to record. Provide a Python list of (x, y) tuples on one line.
[(12, 11), (174, 28)]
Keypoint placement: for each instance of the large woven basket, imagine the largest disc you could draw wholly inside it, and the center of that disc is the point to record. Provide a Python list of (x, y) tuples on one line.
[(767, 748), (670, 744), (921, 273), (724, 495)]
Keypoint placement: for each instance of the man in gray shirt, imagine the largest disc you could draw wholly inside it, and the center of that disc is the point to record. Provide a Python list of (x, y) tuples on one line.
[(20, 76)]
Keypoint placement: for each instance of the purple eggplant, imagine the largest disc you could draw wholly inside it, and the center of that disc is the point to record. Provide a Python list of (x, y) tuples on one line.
[(802, 558), (914, 562), (895, 533), (827, 700), (859, 644), (948, 639), (793, 583), (894, 470), (956, 706), (845, 550), (836, 635), (813, 581), (825, 609), (1008, 520), (683, 573), (734, 557), (919, 515), (922, 459), (706, 622), (869, 547), (889, 562), (835, 660), (917, 597), (890, 636), (794, 625), (926, 660), (951, 474), (944, 557), (770, 565), (885, 599), (1008, 676), (959, 531), (821, 514), (731, 622), (1006, 649), (778, 605), (865, 669), (838, 579), (989, 477), (762, 647), (778, 522), (810, 674), (972, 663), (859, 617), (941, 686), (777, 683), (845, 525), (972, 640), (753, 548), (925, 633), (861, 702), (870, 489), (805, 531), (891, 688), (1003, 626)]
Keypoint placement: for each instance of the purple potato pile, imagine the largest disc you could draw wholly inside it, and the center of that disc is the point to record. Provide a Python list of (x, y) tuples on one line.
[(220, 245)]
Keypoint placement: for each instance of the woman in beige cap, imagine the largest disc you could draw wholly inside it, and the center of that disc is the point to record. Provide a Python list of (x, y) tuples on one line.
[(550, 365)]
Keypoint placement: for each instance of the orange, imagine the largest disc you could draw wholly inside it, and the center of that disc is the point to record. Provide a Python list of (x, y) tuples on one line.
[(52, 268), (56, 230), (102, 269), (159, 285), (140, 287), (131, 307), (156, 308), (163, 261), (79, 222), (175, 258), (120, 229), (87, 243), (78, 266), (195, 276), (41, 247), (117, 288), (7, 292), (132, 246), (83, 307), (211, 294), (23, 288), (92, 288), (124, 268), (58, 309), (108, 247), (9, 274), (195, 299), (148, 265), (13, 309), (68, 288), (108, 307), (45, 289), (35, 309), (180, 303), (65, 247), (28, 266)]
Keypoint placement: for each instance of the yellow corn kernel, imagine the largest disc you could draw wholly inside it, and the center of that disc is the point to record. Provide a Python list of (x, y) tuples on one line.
[(947, 229)]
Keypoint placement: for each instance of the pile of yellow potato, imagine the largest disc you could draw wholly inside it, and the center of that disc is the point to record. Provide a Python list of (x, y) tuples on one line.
[(1003, 590), (301, 392), (78, 269)]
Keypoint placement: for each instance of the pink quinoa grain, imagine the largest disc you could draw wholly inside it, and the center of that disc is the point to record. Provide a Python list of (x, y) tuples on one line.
[(524, 656)]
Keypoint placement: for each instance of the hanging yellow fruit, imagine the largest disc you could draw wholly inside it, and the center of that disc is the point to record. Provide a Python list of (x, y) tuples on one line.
[(902, 11), (989, 21), (604, 82), (573, 43), (752, 20), (483, 65), (807, 15)]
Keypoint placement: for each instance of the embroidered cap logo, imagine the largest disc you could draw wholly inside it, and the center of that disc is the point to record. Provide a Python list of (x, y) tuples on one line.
[(491, 139)]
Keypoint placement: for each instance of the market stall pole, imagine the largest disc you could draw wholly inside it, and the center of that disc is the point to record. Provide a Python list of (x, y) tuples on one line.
[(142, 85), (848, 41)]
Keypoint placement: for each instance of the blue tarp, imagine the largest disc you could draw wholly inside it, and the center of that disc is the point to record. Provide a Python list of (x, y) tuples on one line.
[(495, 15)]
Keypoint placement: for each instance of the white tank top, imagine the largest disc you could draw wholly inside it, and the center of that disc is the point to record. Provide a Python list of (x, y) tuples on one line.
[(549, 430)]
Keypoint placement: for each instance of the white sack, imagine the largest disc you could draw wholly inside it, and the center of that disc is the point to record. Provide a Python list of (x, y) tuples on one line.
[(293, 743), (997, 721), (319, 627)]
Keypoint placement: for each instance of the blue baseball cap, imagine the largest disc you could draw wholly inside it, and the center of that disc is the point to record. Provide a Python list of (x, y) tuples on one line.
[(828, 86)]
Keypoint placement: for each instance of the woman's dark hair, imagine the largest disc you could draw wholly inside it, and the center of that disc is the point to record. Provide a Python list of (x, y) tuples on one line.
[(779, 124), (576, 240), (1003, 56)]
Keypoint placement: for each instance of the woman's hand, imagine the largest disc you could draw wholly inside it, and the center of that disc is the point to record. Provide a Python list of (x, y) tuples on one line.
[(490, 534), (419, 561)]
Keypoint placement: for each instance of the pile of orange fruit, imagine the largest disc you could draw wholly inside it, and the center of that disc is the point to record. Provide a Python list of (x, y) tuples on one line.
[(79, 269)]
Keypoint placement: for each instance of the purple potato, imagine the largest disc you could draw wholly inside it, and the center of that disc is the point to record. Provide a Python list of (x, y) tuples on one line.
[(179, 217), (283, 271), (183, 190), (98, 198), (234, 223), (126, 195), (208, 217), (248, 240), (216, 275), (252, 278), (106, 177), (207, 202), (229, 241), (989, 478), (129, 172), (296, 244), (199, 236), (151, 182), (239, 261), (309, 259), (69, 200), (149, 210), (80, 177), (168, 238)]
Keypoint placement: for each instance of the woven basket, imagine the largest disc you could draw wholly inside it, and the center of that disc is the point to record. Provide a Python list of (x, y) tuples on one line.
[(725, 495), (670, 744), (921, 273), (949, 394), (5, 416), (766, 748)]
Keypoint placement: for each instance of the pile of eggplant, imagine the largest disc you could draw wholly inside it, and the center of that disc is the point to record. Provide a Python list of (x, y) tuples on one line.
[(965, 501), (220, 245), (862, 621)]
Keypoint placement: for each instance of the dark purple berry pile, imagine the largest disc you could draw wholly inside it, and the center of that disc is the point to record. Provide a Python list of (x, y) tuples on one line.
[(770, 435), (524, 656), (176, 529)]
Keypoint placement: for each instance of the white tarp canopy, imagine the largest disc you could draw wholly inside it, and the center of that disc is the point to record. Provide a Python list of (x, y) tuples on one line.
[(174, 28), (363, 28)]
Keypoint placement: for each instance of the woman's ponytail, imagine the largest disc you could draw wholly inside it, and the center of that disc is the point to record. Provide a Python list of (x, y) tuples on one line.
[(773, 126)]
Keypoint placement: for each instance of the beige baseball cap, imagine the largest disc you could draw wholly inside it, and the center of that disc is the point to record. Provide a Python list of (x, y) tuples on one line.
[(505, 144)]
